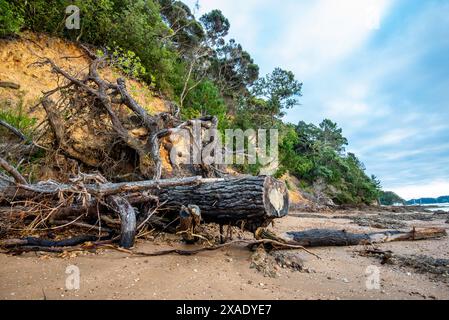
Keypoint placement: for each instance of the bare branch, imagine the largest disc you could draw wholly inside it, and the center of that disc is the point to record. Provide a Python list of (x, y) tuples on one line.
[(13, 172), (14, 130)]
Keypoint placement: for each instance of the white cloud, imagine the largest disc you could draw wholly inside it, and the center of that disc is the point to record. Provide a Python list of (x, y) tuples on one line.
[(387, 139), (245, 25), (412, 153), (325, 31), (434, 189)]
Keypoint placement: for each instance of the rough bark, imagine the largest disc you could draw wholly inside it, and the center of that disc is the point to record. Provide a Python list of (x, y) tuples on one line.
[(336, 238), (9, 85), (13, 172), (14, 130), (251, 202), (128, 217), (99, 190), (30, 241)]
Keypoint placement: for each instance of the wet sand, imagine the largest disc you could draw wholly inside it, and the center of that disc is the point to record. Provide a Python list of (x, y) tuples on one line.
[(342, 273)]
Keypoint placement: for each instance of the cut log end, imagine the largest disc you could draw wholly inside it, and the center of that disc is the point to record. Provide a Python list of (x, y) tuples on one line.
[(276, 196), (251, 202)]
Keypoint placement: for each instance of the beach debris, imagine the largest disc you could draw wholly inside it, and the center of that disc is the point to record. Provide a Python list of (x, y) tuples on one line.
[(327, 238), (420, 263)]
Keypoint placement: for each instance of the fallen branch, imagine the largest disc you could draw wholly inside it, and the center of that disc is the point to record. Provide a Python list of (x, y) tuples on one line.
[(99, 190), (14, 130), (128, 220), (275, 245), (13, 172), (10, 85), (328, 238), (36, 242)]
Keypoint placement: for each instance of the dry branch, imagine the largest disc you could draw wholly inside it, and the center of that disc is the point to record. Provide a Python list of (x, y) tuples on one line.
[(14, 130), (13, 172), (9, 85), (99, 190), (327, 238)]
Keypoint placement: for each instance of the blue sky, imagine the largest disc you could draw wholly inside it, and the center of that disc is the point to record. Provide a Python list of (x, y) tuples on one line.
[(379, 68)]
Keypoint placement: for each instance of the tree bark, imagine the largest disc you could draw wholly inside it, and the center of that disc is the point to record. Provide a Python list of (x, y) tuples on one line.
[(9, 85), (107, 189), (249, 202), (128, 217), (337, 238), (14, 130), (13, 172)]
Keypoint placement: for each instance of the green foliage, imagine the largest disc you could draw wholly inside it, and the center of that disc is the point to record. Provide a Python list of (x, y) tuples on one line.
[(233, 69), (132, 25), (315, 153), (389, 198), (16, 116), (216, 26), (162, 43), (10, 20), (185, 31), (281, 91), (205, 100), (127, 62)]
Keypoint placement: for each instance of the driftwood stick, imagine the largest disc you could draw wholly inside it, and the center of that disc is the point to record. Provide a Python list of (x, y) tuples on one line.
[(250, 243), (9, 85), (48, 243), (327, 238), (13, 172), (14, 130)]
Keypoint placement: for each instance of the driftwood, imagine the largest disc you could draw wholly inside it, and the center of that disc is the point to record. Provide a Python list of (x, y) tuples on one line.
[(100, 190), (128, 217), (30, 241), (14, 130), (247, 202), (328, 238), (12, 171), (9, 85)]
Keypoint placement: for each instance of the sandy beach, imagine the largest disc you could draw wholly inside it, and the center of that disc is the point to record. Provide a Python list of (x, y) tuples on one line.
[(342, 273)]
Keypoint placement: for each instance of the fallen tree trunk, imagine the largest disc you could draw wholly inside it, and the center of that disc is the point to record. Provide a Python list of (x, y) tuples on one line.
[(106, 189), (337, 238), (249, 202)]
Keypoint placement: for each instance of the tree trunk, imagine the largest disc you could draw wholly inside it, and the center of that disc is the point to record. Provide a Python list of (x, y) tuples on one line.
[(99, 190), (128, 217), (337, 238), (251, 202)]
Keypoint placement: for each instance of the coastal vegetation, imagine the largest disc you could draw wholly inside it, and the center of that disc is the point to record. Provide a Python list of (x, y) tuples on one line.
[(192, 62)]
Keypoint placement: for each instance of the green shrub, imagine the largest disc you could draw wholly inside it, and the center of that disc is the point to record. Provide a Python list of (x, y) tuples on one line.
[(11, 19), (126, 61), (16, 116)]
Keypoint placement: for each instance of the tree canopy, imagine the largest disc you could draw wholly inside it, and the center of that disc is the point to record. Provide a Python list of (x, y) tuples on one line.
[(193, 63)]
